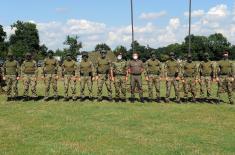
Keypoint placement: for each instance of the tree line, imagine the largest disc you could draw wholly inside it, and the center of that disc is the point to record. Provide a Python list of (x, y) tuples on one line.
[(26, 39)]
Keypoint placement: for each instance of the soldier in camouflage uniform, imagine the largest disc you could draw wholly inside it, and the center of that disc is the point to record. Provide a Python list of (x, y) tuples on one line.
[(104, 75), (226, 75), (50, 75), (120, 78), (30, 74), (136, 68), (190, 78), (153, 76), (86, 76), (69, 73), (11, 72), (172, 74), (207, 74)]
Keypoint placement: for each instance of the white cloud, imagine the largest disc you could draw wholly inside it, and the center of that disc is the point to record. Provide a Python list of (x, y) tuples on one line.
[(195, 13), (152, 15)]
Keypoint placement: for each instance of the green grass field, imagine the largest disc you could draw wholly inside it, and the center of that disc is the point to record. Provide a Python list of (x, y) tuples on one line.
[(59, 128)]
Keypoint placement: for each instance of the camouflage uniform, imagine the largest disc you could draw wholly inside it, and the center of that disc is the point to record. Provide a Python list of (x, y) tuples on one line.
[(120, 76), (136, 67), (50, 73), (190, 75), (30, 73), (104, 68), (226, 74), (172, 73), (207, 74), (69, 73), (153, 74), (86, 74), (11, 72)]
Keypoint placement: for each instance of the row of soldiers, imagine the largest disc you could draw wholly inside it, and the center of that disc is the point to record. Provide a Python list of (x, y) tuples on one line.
[(105, 72)]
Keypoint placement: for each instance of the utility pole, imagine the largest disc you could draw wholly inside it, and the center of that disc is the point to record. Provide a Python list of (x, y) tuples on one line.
[(132, 26), (189, 29)]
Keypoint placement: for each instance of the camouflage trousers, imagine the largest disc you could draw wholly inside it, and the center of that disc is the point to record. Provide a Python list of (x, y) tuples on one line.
[(154, 82), (136, 80), (12, 86), (120, 86), (70, 83), (30, 80), (86, 80), (225, 84), (189, 86), (50, 79), (205, 86), (104, 79), (172, 81)]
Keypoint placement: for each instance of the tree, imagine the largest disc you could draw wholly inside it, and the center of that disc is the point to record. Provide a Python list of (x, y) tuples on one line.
[(74, 45), (217, 44), (25, 39), (102, 46), (120, 49), (3, 44)]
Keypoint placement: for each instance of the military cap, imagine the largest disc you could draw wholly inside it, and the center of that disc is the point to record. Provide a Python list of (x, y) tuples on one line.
[(189, 56), (225, 52), (9, 54), (28, 54), (68, 54), (206, 54), (152, 52), (84, 53), (50, 51), (172, 54)]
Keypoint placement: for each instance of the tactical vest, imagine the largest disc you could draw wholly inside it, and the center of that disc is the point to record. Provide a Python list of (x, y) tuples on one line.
[(172, 68), (69, 67), (119, 68), (225, 67), (11, 67), (136, 67), (29, 67), (86, 68), (206, 68), (50, 66), (153, 67), (190, 69), (103, 66)]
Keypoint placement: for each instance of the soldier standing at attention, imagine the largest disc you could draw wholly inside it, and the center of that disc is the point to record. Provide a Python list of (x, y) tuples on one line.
[(50, 75), (30, 74), (104, 75), (136, 68), (69, 71), (86, 76), (226, 75), (172, 71), (207, 74), (153, 76), (11, 72), (190, 78), (120, 74)]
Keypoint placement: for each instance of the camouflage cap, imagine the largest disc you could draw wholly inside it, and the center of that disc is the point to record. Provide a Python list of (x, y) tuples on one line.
[(152, 52), (172, 54), (206, 54), (189, 55), (68, 54), (84, 53), (28, 54), (9, 54)]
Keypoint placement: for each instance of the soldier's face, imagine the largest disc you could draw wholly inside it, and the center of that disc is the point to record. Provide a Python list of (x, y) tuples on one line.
[(69, 58), (50, 55), (28, 57), (225, 56), (190, 60), (153, 56), (172, 57), (135, 56), (85, 58), (103, 55), (10, 57), (119, 57)]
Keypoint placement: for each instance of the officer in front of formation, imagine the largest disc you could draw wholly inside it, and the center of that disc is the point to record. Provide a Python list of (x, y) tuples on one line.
[(50, 75), (120, 74), (190, 78), (104, 75), (11, 73), (153, 76), (135, 69), (226, 75), (172, 75), (69, 75), (30, 74), (86, 73)]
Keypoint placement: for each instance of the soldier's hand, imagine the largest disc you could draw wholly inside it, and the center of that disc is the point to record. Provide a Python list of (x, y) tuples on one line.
[(147, 78), (17, 78), (177, 78), (126, 78), (97, 78), (43, 77), (4, 78), (93, 78), (79, 79), (57, 77)]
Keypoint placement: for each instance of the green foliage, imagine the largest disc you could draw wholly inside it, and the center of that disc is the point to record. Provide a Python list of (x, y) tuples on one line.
[(3, 44), (74, 45), (25, 39)]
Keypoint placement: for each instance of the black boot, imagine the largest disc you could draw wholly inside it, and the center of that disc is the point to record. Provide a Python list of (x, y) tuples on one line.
[(9, 99), (142, 100)]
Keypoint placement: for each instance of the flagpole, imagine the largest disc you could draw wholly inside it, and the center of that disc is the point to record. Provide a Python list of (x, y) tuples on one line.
[(132, 26), (189, 30)]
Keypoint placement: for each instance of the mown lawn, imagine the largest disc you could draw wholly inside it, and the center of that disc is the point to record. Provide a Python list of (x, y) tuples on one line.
[(41, 128)]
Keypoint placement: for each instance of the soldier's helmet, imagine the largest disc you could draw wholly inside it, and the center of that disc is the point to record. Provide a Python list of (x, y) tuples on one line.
[(9, 54), (103, 52), (172, 54)]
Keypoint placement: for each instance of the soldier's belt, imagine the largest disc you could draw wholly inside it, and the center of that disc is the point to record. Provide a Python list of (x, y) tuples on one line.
[(155, 74), (119, 74), (86, 74), (136, 74)]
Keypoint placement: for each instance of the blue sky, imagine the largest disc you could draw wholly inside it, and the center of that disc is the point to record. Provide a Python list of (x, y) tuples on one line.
[(154, 19)]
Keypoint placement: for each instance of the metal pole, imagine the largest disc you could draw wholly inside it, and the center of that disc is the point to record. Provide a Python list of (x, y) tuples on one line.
[(132, 26), (189, 30)]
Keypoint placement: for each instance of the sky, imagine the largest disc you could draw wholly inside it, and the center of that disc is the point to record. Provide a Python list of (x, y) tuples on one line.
[(157, 23)]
